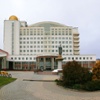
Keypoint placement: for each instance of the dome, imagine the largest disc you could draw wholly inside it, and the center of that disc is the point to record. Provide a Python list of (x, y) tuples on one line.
[(13, 17)]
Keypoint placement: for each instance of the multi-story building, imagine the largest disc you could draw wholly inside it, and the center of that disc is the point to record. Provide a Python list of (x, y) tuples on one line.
[(37, 45)]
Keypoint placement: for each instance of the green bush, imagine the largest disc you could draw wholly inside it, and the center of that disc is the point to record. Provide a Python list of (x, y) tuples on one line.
[(58, 82), (73, 74), (92, 85), (77, 86)]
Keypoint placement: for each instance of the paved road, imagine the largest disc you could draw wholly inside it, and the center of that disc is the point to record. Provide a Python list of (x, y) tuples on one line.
[(32, 90)]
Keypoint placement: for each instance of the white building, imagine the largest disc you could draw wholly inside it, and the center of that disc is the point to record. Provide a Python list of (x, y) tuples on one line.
[(37, 45)]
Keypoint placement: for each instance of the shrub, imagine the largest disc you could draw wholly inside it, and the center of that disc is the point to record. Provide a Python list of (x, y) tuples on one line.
[(73, 74), (92, 85), (77, 86), (96, 71)]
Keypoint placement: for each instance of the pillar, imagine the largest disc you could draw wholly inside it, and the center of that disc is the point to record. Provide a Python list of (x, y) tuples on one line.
[(21, 65), (13, 65), (44, 63), (52, 67)]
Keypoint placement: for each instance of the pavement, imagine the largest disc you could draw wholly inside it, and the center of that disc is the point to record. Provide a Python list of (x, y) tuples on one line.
[(39, 90)]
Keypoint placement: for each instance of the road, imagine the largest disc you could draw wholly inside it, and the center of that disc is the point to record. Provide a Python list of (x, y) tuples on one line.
[(34, 90)]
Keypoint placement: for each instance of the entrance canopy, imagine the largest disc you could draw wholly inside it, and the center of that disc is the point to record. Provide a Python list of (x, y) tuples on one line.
[(46, 62)]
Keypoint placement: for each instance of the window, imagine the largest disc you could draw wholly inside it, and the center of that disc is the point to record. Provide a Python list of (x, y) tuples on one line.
[(69, 58), (52, 50), (70, 50), (31, 50), (70, 33), (87, 58), (70, 42), (20, 50), (41, 50), (66, 41), (90, 57), (66, 50), (83, 57), (31, 42)]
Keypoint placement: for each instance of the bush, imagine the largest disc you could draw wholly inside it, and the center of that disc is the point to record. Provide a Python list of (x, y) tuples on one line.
[(77, 86), (58, 82), (96, 71), (92, 85), (73, 74)]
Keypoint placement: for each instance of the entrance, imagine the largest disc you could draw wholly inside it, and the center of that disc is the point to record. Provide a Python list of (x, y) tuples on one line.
[(10, 65), (48, 67)]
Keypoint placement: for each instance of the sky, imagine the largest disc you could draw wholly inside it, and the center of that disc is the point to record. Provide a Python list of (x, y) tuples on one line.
[(84, 14)]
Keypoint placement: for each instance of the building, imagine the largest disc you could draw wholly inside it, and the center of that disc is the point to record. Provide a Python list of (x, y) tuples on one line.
[(3, 59), (36, 46)]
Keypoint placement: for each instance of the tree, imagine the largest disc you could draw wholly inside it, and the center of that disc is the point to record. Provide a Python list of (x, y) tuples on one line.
[(96, 71), (73, 74)]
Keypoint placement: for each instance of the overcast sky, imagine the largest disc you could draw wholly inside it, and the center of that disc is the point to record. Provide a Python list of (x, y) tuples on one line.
[(84, 14)]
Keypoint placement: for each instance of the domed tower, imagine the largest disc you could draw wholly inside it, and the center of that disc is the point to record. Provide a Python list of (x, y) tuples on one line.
[(11, 35), (13, 17)]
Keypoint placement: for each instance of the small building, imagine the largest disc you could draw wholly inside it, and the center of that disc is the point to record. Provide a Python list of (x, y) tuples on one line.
[(3, 60)]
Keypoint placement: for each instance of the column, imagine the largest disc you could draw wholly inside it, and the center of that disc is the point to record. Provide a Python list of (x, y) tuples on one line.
[(21, 65), (52, 67), (28, 66), (13, 65), (37, 63), (3, 63), (44, 63)]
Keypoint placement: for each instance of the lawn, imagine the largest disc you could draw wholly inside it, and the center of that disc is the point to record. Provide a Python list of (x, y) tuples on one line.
[(6, 80)]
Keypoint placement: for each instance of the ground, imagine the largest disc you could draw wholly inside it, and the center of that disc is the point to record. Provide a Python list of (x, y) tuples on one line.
[(34, 90)]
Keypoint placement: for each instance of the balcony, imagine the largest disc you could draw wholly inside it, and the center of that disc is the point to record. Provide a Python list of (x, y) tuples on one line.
[(75, 34), (76, 41), (76, 44), (76, 49), (76, 37), (76, 53)]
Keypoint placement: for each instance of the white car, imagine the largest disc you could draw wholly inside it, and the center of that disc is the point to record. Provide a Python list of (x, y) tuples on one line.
[(56, 70)]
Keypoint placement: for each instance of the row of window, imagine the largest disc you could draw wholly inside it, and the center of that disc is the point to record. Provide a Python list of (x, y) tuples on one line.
[(49, 46), (31, 38), (41, 33), (31, 42), (44, 50), (22, 58), (67, 58), (61, 29), (40, 29), (78, 58)]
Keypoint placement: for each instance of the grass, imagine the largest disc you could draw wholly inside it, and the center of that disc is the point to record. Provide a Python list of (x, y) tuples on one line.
[(6, 80)]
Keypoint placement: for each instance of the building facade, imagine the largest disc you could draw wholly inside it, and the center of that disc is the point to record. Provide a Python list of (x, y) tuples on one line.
[(36, 46), (3, 59)]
